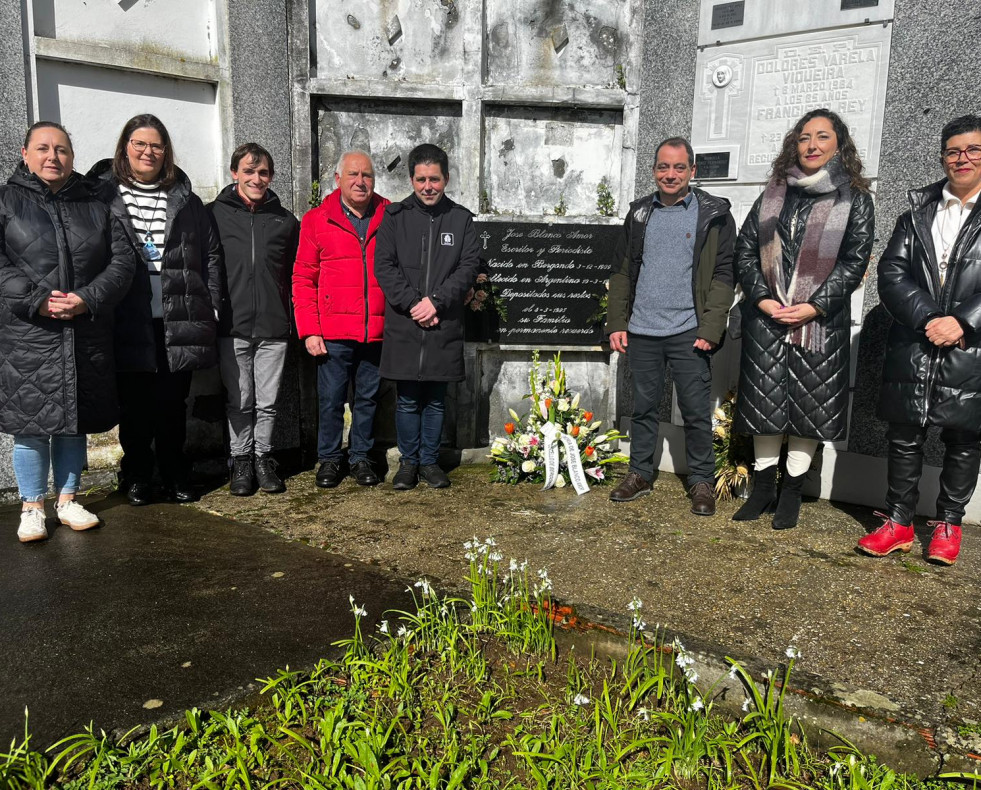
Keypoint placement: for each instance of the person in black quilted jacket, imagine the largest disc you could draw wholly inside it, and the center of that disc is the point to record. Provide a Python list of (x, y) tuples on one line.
[(64, 265), (802, 251), (167, 324)]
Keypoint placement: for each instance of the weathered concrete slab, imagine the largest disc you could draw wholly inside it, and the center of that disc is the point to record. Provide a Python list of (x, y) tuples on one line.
[(162, 603)]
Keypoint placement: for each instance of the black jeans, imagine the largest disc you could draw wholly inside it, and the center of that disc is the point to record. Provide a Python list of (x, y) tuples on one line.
[(153, 420), (959, 476), (648, 357)]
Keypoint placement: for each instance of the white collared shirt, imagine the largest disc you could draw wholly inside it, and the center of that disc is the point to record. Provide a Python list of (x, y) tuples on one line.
[(951, 216)]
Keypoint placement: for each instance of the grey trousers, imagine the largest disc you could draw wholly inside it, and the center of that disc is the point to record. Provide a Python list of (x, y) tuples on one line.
[(251, 371)]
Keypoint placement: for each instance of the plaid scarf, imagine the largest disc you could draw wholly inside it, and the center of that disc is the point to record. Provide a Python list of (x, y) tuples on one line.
[(831, 189)]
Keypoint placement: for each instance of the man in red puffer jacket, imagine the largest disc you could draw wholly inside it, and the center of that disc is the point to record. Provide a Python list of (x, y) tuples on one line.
[(340, 312)]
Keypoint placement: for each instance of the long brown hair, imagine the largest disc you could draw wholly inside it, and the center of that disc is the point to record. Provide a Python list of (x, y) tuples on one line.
[(788, 156), (120, 161)]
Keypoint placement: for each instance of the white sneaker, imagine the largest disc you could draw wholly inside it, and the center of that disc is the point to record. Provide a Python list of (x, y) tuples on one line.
[(73, 515), (32, 525)]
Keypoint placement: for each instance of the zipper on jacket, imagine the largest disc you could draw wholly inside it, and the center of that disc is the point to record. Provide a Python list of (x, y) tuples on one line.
[(254, 284), (425, 279), (364, 269)]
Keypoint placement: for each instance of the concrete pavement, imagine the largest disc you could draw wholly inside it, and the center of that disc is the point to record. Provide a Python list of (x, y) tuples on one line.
[(162, 604)]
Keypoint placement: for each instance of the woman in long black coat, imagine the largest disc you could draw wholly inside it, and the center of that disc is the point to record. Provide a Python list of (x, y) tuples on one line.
[(64, 265), (167, 324), (802, 251)]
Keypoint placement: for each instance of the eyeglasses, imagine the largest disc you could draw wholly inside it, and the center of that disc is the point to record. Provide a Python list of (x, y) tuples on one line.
[(972, 153), (156, 148)]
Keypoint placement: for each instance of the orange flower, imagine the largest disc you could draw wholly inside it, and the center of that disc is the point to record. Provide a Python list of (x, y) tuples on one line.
[(575, 430), (590, 449), (548, 403), (509, 427), (587, 416)]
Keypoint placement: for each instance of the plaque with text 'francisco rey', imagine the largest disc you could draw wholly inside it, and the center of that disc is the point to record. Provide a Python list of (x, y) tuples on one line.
[(550, 277)]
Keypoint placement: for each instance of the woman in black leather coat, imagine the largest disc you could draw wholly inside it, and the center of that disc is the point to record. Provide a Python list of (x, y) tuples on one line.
[(167, 325), (802, 251), (64, 265)]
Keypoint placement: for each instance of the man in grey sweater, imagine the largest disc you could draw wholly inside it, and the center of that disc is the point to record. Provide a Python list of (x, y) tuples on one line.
[(671, 287)]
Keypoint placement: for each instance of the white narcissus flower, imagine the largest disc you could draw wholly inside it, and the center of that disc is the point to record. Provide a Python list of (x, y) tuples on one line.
[(746, 705), (697, 704), (383, 626), (563, 404), (580, 699), (528, 467), (792, 652)]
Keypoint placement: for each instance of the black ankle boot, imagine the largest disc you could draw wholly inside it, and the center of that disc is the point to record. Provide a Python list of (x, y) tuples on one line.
[(242, 478), (762, 498), (788, 506)]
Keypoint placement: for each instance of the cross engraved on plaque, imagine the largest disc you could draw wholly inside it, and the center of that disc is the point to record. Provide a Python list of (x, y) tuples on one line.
[(485, 236), (722, 83)]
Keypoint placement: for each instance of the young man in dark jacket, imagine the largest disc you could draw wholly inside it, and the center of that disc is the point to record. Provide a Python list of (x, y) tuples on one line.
[(259, 239), (670, 291), (426, 260), (930, 282)]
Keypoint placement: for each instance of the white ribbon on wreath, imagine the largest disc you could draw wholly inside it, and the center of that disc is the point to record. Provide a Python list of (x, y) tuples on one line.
[(551, 453)]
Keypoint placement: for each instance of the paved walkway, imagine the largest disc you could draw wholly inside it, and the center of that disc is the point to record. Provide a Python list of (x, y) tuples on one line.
[(164, 603)]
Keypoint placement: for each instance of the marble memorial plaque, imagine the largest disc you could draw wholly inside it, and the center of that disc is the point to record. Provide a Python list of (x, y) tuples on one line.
[(550, 277), (763, 18), (749, 94), (728, 14)]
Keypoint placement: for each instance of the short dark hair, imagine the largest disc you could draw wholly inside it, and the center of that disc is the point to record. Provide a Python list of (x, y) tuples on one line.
[(963, 125), (47, 125), (256, 154), (120, 161), (429, 154), (676, 142)]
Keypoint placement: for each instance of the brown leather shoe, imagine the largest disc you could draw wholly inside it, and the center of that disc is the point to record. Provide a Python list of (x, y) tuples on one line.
[(632, 487), (702, 499)]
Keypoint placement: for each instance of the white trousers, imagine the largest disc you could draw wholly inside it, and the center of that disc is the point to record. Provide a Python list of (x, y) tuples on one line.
[(800, 452)]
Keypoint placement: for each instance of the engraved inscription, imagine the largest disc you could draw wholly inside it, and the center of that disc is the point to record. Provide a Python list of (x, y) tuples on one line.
[(712, 164), (848, 5), (728, 15), (837, 74), (551, 278)]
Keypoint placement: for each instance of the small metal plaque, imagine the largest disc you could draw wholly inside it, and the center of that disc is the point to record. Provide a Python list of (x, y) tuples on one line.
[(848, 5), (729, 14), (713, 164)]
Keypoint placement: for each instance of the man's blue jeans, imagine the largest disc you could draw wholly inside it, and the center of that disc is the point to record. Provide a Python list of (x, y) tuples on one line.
[(419, 420), (34, 455), (347, 360)]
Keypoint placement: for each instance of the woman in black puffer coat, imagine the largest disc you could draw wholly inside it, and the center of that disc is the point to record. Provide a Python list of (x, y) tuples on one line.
[(167, 325), (64, 265), (802, 251)]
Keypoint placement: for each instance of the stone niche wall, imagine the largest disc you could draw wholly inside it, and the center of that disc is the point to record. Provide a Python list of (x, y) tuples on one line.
[(534, 100), (98, 64), (388, 130), (537, 159)]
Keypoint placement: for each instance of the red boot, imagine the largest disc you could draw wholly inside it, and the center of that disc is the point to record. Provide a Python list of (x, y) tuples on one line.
[(946, 542), (888, 538)]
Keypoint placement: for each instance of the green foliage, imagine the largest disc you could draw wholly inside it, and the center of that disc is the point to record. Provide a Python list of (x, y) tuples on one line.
[(621, 77), (314, 199), (471, 693), (561, 209), (606, 204)]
